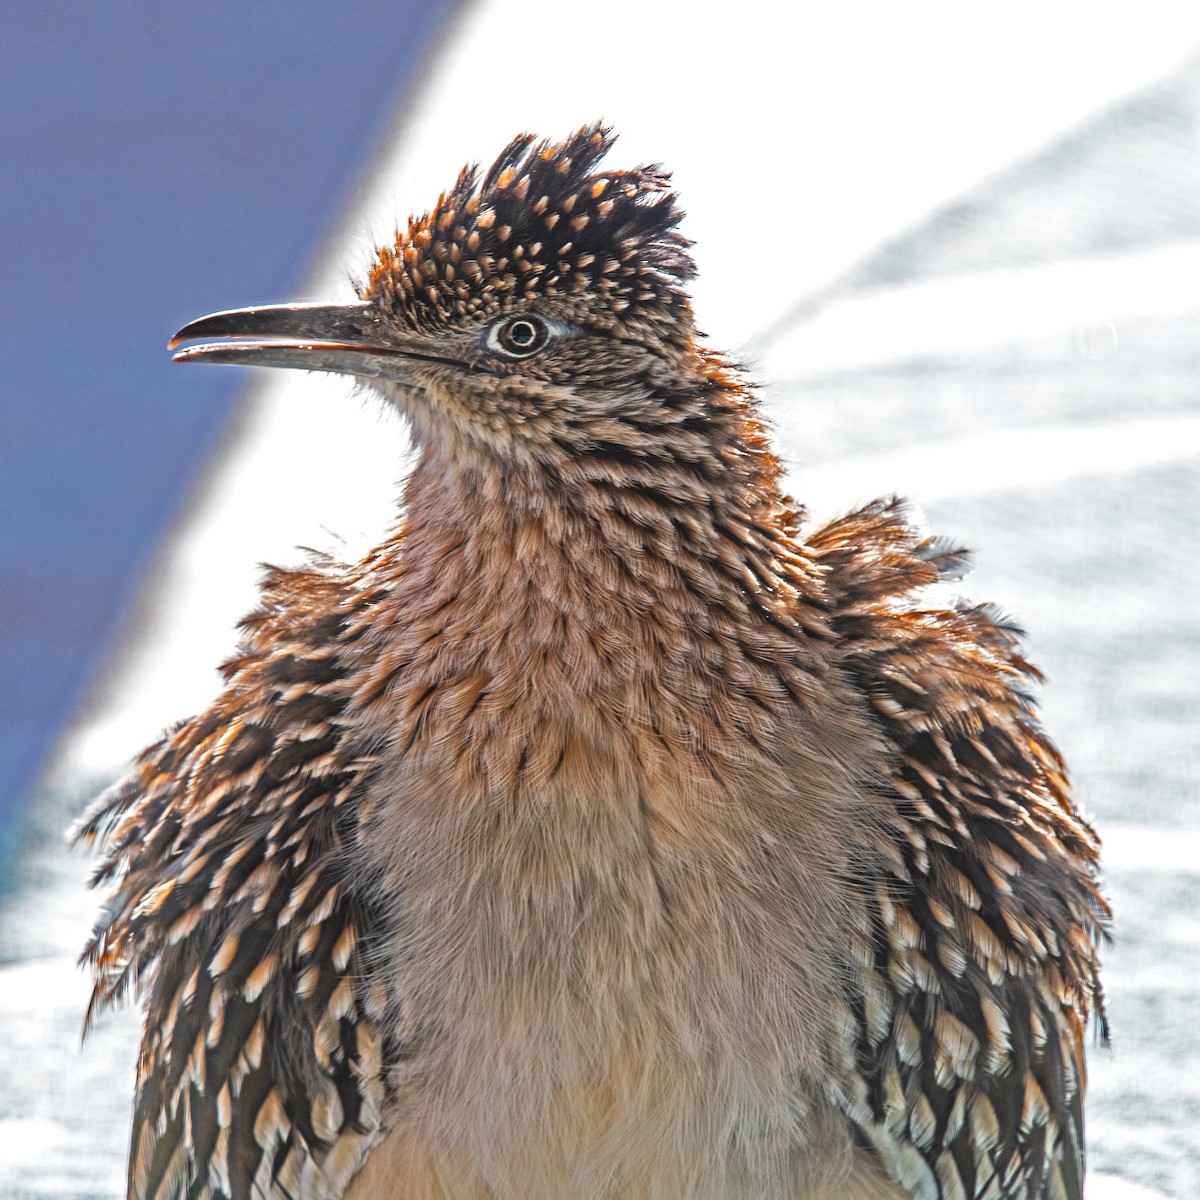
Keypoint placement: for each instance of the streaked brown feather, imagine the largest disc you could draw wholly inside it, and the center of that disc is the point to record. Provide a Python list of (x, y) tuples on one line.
[(995, 873), (228, 844)]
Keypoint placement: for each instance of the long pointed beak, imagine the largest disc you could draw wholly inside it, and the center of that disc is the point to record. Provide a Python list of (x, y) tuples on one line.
[(343, 338)]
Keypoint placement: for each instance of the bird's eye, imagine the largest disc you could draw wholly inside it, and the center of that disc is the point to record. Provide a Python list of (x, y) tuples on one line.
[(518, 337)]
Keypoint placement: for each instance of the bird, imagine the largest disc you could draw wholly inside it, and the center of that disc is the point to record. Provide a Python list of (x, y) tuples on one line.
[(613, 829)]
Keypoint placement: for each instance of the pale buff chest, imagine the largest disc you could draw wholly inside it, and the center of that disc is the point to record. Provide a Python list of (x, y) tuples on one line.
[(611, 967)]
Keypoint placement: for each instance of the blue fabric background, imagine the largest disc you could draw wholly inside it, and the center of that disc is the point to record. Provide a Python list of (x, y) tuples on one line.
[(157, 162)]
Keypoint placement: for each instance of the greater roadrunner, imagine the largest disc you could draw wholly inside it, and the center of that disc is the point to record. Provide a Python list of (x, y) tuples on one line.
[(610, 831)]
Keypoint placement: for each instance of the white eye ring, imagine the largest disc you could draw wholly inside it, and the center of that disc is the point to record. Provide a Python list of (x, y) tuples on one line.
[(519, 336)]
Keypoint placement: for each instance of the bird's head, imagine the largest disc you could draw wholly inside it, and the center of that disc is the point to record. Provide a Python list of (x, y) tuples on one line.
[(538, 309)]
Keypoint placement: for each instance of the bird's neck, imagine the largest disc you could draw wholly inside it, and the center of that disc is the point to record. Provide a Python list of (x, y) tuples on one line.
[(604, 584)]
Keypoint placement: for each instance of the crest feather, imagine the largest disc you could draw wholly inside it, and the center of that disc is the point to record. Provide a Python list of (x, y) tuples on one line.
[(545, 222)]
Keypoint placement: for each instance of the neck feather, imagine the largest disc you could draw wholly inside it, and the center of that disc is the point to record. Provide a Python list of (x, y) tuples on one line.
[(621, 581)]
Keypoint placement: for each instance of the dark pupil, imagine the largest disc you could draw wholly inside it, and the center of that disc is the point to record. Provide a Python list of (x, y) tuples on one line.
[(522, 334)]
